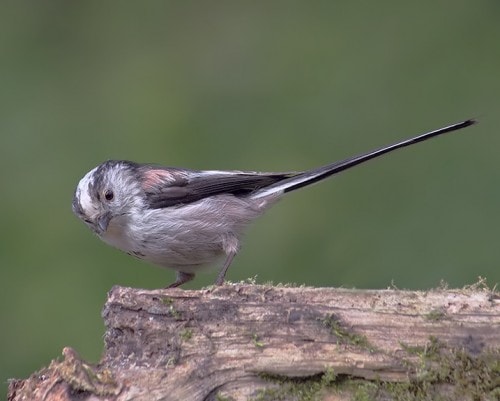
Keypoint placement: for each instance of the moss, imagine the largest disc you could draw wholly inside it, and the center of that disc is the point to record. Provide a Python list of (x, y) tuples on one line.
[(435, 315), (439, 373), (256, 341), (186, 334), (172, 361), (345, 336), (83, 377), (297, 389), (171, 308), (438, 366), (362, 390)]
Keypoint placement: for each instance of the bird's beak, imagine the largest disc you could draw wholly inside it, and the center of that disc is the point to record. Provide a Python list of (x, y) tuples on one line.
[(103, 221)]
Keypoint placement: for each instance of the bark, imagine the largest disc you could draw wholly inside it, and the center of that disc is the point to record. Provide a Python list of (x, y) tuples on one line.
[(241, 341)]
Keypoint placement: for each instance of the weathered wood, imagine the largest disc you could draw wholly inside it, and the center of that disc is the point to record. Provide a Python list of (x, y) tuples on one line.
[(239, 342)]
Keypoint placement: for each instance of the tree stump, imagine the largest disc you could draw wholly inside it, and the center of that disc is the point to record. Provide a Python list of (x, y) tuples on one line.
[(255, 342)]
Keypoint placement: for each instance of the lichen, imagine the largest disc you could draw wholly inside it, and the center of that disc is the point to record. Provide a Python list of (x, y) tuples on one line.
[(220, 397), (83, 377)]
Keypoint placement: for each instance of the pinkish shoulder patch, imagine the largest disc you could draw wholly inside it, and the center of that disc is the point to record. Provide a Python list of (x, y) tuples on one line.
[(155, 178)]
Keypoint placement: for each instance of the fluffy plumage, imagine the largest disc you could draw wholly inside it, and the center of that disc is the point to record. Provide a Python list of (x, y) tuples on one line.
[(185, 219)]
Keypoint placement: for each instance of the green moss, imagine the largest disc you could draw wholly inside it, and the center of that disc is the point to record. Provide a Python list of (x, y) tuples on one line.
[(256, 341), (467, 376), (329, 377), (186, 334), (439, 373), (435, 315), (167, 300), (172, 361), (171, 308), (363, 391), (345, 336), (297, 389)]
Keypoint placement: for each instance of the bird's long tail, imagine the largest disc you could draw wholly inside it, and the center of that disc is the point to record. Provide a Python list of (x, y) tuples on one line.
[(311, 176)]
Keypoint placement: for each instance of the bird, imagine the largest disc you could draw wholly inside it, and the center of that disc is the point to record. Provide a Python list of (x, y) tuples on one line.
[(186, 219)]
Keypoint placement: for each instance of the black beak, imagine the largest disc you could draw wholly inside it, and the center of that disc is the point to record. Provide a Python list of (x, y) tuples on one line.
[(103, 221)]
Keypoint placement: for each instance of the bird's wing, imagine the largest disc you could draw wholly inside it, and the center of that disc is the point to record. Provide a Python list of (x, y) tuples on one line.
[(166, 187)]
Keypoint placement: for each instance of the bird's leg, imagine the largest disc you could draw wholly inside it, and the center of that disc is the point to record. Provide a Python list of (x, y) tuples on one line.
[(181, 278), (223, 271)]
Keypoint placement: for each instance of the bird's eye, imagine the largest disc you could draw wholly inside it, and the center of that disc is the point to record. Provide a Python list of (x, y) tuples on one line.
[(109, 195)]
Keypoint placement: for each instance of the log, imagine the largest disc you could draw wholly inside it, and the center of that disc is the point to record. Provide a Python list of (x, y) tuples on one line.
[(258, 342)]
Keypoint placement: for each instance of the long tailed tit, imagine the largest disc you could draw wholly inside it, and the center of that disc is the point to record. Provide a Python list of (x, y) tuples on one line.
[(185, 219)]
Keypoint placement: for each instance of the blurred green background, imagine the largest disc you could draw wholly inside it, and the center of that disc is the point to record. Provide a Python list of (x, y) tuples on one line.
[(265, 85)]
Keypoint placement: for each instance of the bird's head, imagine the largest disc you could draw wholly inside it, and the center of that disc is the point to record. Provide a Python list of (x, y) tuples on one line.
[(105, 193)]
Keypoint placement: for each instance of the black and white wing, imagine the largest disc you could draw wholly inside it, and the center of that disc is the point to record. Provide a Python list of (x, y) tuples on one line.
[(167, 187)]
